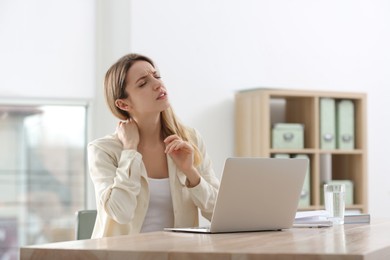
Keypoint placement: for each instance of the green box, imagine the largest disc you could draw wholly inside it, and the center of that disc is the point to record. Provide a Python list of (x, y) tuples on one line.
[(287, 135)]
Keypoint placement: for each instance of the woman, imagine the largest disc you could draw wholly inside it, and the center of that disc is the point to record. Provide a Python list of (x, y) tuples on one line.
[(153, 172)]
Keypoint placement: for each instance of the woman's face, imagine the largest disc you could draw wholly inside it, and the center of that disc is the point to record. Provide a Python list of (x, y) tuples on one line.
[(146, 92)]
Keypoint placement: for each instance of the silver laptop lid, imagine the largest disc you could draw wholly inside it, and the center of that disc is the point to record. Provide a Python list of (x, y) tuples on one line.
[(258, 194)]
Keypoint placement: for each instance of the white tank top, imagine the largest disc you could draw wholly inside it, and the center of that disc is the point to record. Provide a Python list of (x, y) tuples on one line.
[(160, 212)]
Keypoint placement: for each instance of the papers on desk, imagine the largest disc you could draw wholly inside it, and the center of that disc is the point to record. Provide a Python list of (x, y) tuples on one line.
[(318, 218), (315, 218)]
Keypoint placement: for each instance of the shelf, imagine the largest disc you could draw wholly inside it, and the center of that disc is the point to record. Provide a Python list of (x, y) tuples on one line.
[(312, 151), (293, 151), (257, 110), (358, 151)]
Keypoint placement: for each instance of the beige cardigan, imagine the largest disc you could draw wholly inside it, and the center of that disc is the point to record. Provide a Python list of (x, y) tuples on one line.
[(121, 188)]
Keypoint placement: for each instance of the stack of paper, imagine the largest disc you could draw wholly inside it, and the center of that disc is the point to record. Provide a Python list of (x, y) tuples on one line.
[(318, 218), (315, 218)]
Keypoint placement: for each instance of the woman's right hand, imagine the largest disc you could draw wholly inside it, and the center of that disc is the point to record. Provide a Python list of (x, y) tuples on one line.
[(128, 134)]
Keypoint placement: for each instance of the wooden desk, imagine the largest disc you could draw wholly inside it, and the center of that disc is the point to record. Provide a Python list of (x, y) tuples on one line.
[(368, 241)]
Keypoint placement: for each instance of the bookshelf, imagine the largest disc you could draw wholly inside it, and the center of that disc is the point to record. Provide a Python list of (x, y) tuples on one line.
[(257, 110)]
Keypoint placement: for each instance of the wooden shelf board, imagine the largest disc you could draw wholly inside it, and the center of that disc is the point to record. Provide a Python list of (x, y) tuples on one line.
[(280, 93), (312, 151), (300, 151), (356, 151)]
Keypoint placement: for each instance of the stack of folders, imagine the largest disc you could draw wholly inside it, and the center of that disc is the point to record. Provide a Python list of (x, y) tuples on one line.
[(318, 218), (337, 124)]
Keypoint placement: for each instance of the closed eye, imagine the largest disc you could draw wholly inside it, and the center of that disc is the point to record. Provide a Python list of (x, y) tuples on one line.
[(142, 83), (144, 80)]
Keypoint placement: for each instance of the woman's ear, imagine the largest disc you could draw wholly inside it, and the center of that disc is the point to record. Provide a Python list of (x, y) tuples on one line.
[(122, 104)]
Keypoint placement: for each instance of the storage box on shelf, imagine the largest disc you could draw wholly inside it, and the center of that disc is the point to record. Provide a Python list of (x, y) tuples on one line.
[(287, 136), (257, 110)]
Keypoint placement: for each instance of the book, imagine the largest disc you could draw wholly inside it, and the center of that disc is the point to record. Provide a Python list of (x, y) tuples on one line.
[(357, 219)]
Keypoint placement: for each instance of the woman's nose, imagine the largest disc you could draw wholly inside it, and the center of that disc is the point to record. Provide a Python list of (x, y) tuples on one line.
[(157, 84)]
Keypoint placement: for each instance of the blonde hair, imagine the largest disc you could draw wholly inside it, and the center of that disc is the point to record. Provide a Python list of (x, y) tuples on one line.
[(114, 88)]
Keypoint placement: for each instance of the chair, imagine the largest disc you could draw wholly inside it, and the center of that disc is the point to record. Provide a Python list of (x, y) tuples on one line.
[(85, 221)]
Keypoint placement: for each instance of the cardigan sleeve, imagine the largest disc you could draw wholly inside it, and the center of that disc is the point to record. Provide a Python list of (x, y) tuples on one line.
[(205, 193), (117, 182)]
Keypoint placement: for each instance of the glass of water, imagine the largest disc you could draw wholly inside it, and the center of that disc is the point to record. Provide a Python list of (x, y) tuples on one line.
[(335, 202)]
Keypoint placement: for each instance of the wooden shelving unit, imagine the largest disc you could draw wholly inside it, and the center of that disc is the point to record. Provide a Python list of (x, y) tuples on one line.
[(256, 110)]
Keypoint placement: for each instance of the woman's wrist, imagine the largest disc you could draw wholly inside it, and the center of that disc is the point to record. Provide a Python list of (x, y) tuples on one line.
[(130, 146), (193, 178)]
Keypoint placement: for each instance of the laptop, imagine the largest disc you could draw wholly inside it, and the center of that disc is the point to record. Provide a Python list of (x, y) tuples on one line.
[(256, 194)]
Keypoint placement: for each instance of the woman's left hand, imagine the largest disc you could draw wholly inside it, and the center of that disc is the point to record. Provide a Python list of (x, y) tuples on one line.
[(180, 151)]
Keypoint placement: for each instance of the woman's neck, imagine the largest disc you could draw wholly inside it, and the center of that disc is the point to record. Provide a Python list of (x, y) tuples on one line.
[(149, 130)]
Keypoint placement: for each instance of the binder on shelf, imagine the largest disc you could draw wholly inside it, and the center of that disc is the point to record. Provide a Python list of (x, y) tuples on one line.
[(325, 168), (304, 200), (345, 125), (325, 173), (328, 123)]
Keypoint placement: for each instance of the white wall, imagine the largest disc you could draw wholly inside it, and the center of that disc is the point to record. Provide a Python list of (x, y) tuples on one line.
[(112, 41), (47, 49), (206, 51)]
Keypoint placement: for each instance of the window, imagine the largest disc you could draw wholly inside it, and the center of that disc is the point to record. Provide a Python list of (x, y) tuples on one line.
[(42, 174)]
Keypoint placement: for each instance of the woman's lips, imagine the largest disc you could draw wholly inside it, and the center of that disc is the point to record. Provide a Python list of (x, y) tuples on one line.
[(162, 95)]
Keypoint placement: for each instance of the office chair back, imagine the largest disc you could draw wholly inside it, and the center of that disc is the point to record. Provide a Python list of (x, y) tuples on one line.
[(85, 223)]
